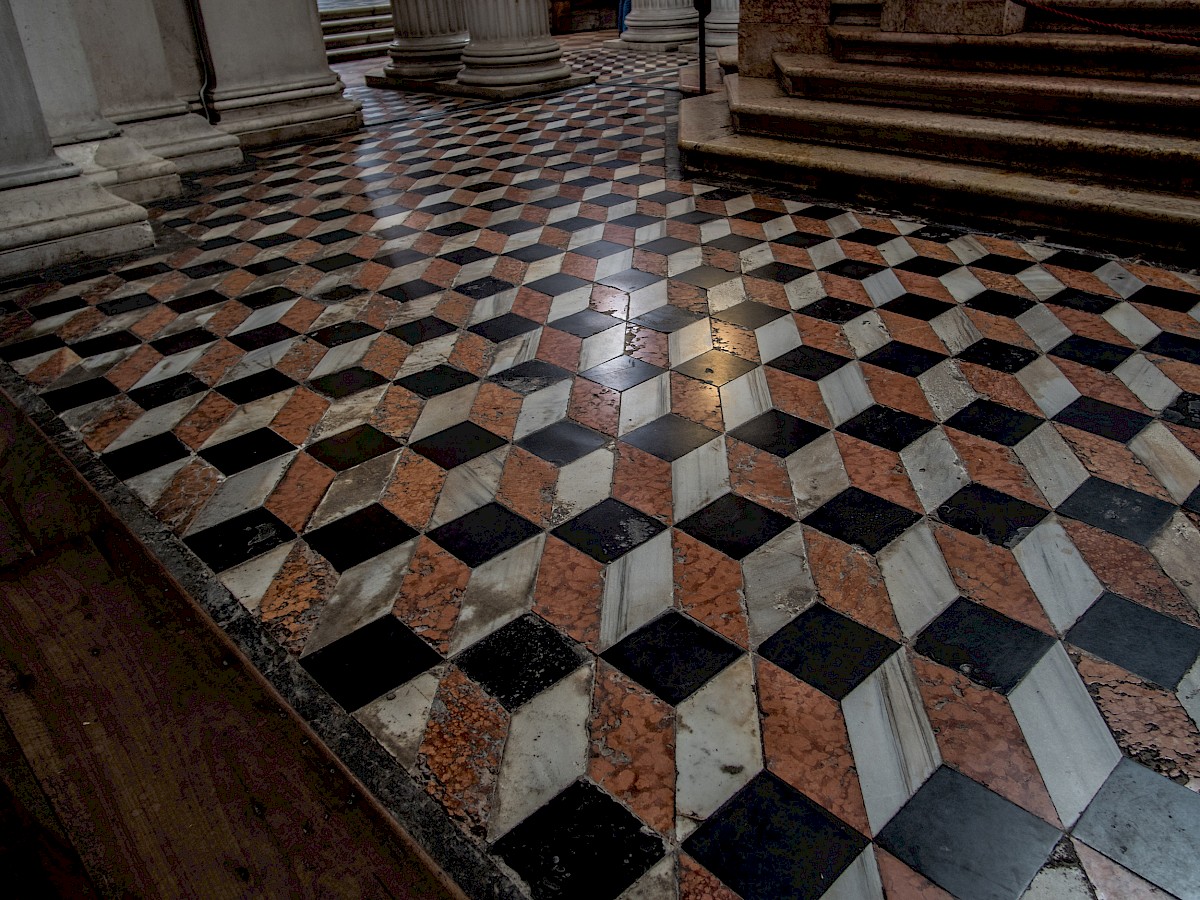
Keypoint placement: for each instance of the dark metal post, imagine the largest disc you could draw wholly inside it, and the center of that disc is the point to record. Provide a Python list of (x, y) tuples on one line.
[(703, 8)]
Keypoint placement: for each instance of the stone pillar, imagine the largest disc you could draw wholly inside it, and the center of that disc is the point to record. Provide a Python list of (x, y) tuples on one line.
[(136, 90), (721, 27), (71, 108), (658, 26), (511, 53), (49, 213), (952, 16), (430, 37), (271, 82)]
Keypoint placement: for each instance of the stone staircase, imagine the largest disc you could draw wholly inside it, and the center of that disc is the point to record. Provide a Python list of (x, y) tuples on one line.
[(1074, 132), (357, 32)]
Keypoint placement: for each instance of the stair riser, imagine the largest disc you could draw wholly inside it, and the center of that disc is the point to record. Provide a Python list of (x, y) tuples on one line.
[(348, 54), (339, 41), (332, 15), (1132, 114), (1162, 171), (370, 24)]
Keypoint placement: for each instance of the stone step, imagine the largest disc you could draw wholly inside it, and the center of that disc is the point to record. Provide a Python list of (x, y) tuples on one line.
[(1035, 53), (359, 23), (1172, 16), (1167, 226), (360, 51), (1130, 105), (357, 38), (1168, 162), (356, 12)]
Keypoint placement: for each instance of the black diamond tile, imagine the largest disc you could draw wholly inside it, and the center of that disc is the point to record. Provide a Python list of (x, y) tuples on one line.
[(809, 362), (256, 386), (238, 539), (886, 427), (903, 358), (990, 649), (214, 267), (853, 268), (246, 450), (269, 297), (978, 509), (771, 842), (1104, 419), (348, 448), (441, 379), (1139, 640), (750, 314), (346, 382), (274, 264), (145, 455), (967, 840), (914, 306), (665, 246), (581, 843), (630, 280), (332, 237), (734, 525), (1184, 410), (534, 252), (1166, 298), (871, 237), (563, 442), (1083, 301), (183, 341), (780, 273), (734, 243), (557, 284), (670, 437), (1175, 346), (665, 197), (608, 530), (340, 294), (108, 343), (369, 662), (831, 309), (673, 656), (79, 394), (1079, 262), (257, 338), (168, 390), (504, 327), (758, 215), (585, 323), (530, 376), (31, 347), (1091, 352), (483, 534), (778, 433), (410, 290), (924, 265), (696, 217), (827, 650), (802, 239), (513, 226), (595, 250), (1008, 265), (716, 367), (481, 288), (146, 271), (520, 660), (573, 224), (342, 333), (193, 302), (398, 259), (466, 256), (1117, 509), (422, 330), (360, 536), (998, 303), (705, 276), (987, 419), (622, 373), (666, 319), (998, 355), (856, 517), (458, 444), (330, 215)]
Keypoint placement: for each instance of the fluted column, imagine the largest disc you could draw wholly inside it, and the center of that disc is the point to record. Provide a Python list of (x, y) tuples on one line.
[(659, 25), (721, 26), (49, 213), (430, 37), (511, 51)]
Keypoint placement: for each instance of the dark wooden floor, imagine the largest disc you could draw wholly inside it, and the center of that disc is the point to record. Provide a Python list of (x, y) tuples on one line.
[(140, 755)]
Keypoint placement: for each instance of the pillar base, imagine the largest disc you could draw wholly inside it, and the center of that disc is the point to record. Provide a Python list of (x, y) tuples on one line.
[(494, 92), (125, 168), (187, 141), (65, 221), (653, 46), (288, 113)]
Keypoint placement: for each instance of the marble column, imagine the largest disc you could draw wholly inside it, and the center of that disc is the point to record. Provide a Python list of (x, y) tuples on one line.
[(136, 90), (271, 81), (77, 128), (658, 26), (721, 26), (430, 37), (49, 213), (511, 52)]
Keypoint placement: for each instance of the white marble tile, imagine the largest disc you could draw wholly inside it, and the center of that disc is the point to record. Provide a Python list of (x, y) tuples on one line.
[(894, 747), (265, 316), (1119, 279), (805, 291), (700, 477), (157, 421), (1168, 460), (777, 583), (956, 329), (428, 354), (1126, 319), (602, 347), (1038, 251), (650, 297), (1189, 692), (934, 468), (684, 261), (826, 254), (170, 366), (1069, 741), (895, 252), (149, 485), (946, 389), (777, 338), (618, 262), (917, 578), (569, 303), (348, 412), (1040, 282), (546, 750), (1051, 463), (637, 587), (498, 591), (397, 719), (1177, 547), (860, 880), (718, 748), (645, 402), (469, 486), (817, 473), (498, 304), (843, 224), (967, 248), (1050, 389), (884, 286), (962, 284), (354, 489), (1147, 382), (249, 581), (659, 883), (1045, 328), (515, 351), (1056, 881), (241, 493), (866, 333), (845, 393), (542, 408), (343, 356), (258, 361), (689, 341), (745, 397), (583, 483), (727, 294), (1056, 571)]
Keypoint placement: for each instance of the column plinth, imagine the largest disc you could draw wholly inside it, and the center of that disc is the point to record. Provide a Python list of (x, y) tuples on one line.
[(722, 24), (428, 46), (658, 26)]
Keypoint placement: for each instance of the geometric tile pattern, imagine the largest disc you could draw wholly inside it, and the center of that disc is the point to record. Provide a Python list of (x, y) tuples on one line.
[(687, 538)]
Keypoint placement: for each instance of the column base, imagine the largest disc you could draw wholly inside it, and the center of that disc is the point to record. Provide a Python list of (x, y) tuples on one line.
[(65, 221), (125, 168), (496, 92), (288, 113), (653, 46), (187, 141), (384, 79)]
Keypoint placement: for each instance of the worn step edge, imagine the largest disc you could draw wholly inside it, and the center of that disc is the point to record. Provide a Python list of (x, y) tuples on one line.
[(357, 38), (354, 12)]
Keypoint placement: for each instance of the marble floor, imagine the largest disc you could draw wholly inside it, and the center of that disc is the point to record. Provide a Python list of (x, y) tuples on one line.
[(663, 539)]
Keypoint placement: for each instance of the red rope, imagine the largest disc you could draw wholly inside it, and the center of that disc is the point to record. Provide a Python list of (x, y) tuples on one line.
[(1163, 37)]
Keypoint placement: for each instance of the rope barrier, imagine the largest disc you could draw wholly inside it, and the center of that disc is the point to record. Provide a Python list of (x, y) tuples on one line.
[(1162, 37)]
